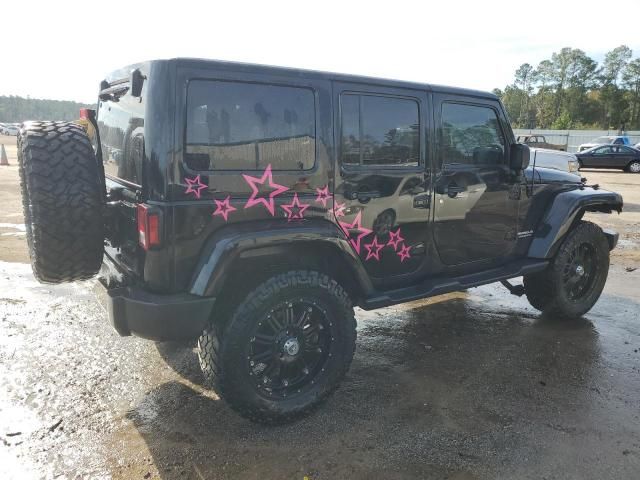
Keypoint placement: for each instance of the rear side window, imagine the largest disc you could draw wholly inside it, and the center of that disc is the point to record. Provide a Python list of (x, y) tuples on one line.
[(121, 126), (247, 126), (379, 130), (471, 135)]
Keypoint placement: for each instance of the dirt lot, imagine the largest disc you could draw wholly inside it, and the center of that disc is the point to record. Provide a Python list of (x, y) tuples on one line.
[(464, 386)]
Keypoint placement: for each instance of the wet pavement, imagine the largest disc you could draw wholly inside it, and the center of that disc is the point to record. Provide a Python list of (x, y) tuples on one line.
[(464, 386)]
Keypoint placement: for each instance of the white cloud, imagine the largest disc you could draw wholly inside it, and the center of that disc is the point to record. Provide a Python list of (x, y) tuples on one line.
[(62, 51)]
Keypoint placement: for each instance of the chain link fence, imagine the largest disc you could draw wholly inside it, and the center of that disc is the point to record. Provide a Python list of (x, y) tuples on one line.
[(572, 139)]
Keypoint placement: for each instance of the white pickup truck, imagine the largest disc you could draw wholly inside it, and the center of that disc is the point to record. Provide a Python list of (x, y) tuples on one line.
[(565, 161)]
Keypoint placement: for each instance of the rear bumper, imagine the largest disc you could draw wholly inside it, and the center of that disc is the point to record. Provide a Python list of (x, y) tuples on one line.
[(133, 311)]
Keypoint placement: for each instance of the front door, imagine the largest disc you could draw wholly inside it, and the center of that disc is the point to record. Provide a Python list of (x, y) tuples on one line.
[(599, 157), (382, 193), (476, 195)]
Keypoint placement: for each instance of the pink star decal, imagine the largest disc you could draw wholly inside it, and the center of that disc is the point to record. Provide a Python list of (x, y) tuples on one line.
[(276, 190), (295, 209), (403, 253), (395, 239), (224, 208), (361, 232), (373, 249), (194, 185), (323, 195), (338, 209)]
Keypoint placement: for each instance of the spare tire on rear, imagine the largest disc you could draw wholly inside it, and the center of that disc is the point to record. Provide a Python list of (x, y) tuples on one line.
[(63, 200)]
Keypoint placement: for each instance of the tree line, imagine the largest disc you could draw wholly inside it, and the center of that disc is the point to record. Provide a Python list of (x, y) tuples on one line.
[(572, 91), (18, 109)]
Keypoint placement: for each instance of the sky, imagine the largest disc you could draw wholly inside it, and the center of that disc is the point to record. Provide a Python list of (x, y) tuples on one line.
[(62, 50)]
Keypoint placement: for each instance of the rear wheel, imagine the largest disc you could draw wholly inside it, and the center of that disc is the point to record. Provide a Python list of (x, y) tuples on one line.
[(634, 167), (573, 282), (286, 347), (63, 201)]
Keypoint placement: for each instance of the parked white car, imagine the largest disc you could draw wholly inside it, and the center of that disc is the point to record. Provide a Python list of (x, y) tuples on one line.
[(565, 161), (10, 130), (607, 140)]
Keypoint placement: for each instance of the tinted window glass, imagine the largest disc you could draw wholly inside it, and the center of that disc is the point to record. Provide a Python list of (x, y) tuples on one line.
[(380, 130), (121, 126), (243, 126), (471, 135), (602, 151)]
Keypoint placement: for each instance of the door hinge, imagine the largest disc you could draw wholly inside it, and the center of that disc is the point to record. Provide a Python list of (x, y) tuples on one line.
[(515, 192)]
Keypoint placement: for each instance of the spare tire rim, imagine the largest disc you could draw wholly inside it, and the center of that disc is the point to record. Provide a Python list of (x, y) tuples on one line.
[(580, 271), (289, 348)]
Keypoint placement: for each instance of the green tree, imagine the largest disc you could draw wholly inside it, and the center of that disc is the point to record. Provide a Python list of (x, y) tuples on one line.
[(18, 109), (631, 81), (570, 90)]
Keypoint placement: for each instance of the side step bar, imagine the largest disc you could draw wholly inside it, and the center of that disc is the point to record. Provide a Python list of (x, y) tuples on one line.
[(439, 285)]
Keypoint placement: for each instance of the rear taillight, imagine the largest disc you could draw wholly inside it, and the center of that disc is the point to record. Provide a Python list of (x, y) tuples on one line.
[(87, 113), (148, 227)]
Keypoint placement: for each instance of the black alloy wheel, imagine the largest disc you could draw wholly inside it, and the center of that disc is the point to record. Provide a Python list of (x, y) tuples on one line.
[(289, 347), (579, 271), (571, 285), (284, 348)]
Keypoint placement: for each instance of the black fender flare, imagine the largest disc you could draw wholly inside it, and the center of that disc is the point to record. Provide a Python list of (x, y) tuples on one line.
[(566, 207), (236, 241)]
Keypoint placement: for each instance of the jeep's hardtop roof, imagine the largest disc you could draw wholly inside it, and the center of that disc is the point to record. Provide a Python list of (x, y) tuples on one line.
[(301, 73)]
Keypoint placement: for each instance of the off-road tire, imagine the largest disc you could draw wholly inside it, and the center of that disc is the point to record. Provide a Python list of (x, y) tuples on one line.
[(63, 201), (221, 350), (546, 290)]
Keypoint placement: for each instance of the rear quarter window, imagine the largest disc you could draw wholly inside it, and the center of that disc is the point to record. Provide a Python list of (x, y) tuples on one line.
[(121, 125), (247, 126)]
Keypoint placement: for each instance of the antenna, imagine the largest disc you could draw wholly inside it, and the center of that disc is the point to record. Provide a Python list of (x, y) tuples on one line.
[(533, 171)]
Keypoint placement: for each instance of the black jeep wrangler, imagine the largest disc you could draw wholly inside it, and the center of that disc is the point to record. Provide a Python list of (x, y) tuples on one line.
[(252, 207)]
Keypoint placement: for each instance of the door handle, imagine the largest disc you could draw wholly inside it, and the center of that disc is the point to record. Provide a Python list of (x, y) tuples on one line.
[(453, 190), (363, 196)]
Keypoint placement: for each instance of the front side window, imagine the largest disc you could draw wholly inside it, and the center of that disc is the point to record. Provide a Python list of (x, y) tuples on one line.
[(247, 126), (379, 131), (602, 151), (471, 135)]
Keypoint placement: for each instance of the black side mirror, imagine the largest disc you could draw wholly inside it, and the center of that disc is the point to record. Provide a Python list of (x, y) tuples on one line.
[(135, 82), (519, 157)]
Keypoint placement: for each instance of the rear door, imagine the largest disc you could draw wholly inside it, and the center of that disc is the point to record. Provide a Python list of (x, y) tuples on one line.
[(621, 156), (382, 194), (476, 196)]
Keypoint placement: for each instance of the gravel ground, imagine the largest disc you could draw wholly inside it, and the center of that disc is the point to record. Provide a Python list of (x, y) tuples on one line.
[(463, 386)]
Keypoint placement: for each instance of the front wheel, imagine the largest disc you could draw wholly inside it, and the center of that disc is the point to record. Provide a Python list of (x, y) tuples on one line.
[(286, 347), (572, 284)]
